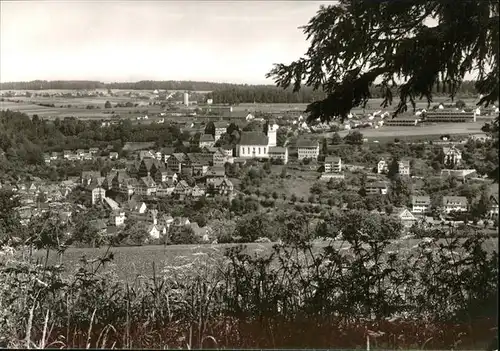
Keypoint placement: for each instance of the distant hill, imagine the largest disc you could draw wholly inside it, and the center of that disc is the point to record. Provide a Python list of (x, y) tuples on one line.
[(141, 85)]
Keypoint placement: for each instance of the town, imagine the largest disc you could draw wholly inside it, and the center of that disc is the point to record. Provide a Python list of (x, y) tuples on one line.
[(249, 175), (249, 163)]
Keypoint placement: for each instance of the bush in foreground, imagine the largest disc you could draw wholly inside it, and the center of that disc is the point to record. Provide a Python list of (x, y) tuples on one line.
[(295, 295)]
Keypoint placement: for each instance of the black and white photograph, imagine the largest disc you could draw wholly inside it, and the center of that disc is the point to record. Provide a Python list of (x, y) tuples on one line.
[(241, 174)]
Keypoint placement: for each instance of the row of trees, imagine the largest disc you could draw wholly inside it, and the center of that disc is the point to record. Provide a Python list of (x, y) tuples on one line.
[(267, 94), (140, 85)]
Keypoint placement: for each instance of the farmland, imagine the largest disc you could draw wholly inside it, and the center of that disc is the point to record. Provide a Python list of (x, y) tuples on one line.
[(130, 262), (417, 132)]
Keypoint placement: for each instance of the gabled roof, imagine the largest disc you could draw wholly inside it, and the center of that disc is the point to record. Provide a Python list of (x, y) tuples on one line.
[(494, 198), (148, 181), (222, 181), (462, 200), (425, 199), (179, 156), (96, 183), (182, 184), (332, 159), (253, 138), (206, 138), (216, 171), (307, 143), (221, 125), (199, 158), (277, 150)]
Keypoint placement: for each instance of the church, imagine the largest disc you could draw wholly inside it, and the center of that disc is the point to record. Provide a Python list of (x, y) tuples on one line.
[(257, 144)]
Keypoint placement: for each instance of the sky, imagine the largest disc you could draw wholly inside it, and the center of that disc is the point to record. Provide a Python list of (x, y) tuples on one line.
[(124, 41)]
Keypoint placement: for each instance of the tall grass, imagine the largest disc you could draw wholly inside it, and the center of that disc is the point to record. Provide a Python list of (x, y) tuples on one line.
[(433, 295)]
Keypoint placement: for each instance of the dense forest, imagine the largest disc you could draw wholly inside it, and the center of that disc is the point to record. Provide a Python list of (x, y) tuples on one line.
[(23, 140), (270, 94)]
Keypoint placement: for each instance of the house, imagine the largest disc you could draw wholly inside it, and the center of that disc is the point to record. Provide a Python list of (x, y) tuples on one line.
[(219, 157), (221, 186), (112, 204), (165, 176), (166, 220), (307, 148), (88, 176), (134, 206), (175, 162), (404, 167), (215, 173), (278, 153), (181, 222), (199, 162), (146, 186), (113, 155), (382, 167), (253, 145), (206, 140), (97, 191), (146, 154), (155, 230), (118, 217), (455, 204), (420, 204), (54, 156), (197, 191), (332, 177), (461, 174), (451, 156), (165, 188), (220, 128), (182, 188), (493, 210), (376, 188), (228, 150), (202, 233), (333, 164), (93, 150), (167, 152), (149, 167), (405, 216)]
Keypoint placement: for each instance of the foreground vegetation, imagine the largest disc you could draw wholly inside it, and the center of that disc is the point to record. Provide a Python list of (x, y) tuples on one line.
[(289, 296)]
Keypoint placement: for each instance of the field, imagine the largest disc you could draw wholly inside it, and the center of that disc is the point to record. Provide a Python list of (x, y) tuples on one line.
[(79, 104), (129, 262), (373, 105), (431, 132)]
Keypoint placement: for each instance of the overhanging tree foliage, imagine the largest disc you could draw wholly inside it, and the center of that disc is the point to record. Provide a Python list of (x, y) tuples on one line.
[(356, 44)]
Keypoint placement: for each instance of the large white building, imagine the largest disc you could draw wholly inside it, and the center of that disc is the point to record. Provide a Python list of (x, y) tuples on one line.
[(307, 149), (253, 145), (257, 144)]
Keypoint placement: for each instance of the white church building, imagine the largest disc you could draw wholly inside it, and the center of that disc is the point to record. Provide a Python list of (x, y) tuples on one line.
[(257, 144)]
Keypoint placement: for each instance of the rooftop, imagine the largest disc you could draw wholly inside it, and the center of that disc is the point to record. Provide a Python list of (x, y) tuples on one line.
[(253, 138), (206, 138), (307, 143)]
